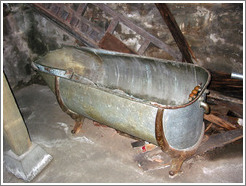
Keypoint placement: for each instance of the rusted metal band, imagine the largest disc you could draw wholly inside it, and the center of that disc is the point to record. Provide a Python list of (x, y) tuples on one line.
[(178, 156), (72, 114), (159, 133)]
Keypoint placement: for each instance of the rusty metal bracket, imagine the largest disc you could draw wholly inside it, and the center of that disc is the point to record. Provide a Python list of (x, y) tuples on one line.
[(176, 32)]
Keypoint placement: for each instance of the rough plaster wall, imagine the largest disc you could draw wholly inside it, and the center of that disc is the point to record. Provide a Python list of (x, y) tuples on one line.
[(214, 32)]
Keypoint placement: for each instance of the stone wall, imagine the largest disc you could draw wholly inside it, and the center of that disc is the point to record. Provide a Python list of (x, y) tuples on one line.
[(213, 30), (26, 36)]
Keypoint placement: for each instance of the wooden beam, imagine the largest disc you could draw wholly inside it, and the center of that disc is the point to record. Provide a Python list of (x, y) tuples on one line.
[(175, 31), (113, 24), (81, 9), (143, 47)]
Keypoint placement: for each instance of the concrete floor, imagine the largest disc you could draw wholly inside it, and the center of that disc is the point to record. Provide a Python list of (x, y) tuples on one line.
[(99, 154)]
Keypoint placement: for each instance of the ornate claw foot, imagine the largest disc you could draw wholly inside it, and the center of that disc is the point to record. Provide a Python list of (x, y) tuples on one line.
[(176, 165), (78, 124)]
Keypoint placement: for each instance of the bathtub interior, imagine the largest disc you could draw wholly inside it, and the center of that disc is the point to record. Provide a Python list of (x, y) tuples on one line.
[(142, 78)]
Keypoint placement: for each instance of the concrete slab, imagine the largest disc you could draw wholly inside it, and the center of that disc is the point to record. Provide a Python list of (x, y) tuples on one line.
[(99, 154)]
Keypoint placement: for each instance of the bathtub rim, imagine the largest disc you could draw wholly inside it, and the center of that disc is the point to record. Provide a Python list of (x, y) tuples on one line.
[(68, 74)]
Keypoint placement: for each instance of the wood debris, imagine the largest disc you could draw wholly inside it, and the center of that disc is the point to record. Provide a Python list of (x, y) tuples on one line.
[(219, 121)]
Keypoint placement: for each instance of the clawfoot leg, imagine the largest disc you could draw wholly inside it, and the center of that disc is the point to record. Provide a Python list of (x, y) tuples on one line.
[(78, 124), (176, 165)]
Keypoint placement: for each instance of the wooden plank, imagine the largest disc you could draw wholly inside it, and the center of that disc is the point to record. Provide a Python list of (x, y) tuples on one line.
[(219, 121), (143, 47), (110, 42), (175, 31), (81, 9), (225, 109), (113, 24), (218, 95)]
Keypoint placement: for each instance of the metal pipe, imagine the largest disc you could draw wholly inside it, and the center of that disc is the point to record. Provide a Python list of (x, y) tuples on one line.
[(236, 75), (205, 106)]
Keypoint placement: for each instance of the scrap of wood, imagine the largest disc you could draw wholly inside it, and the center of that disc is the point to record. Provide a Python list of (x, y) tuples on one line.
[(223, 83), (223, 109), (219, 121), (148, 147), (176, 32), (209, 126), (110, 42), (233, 120)]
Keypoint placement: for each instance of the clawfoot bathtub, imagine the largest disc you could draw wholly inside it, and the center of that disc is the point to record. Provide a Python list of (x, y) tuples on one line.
[(159, 101)]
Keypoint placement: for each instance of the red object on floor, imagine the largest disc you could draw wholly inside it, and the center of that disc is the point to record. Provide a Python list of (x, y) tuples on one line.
[(144, 148)]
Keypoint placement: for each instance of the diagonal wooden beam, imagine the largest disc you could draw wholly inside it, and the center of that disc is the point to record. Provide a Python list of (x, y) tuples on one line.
[(176, 32)]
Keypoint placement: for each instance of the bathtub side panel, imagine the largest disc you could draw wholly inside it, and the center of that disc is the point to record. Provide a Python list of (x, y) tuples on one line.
[(122, 114)]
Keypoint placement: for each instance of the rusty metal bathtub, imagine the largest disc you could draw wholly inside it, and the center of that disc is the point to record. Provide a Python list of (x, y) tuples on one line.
[(159, 101)]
